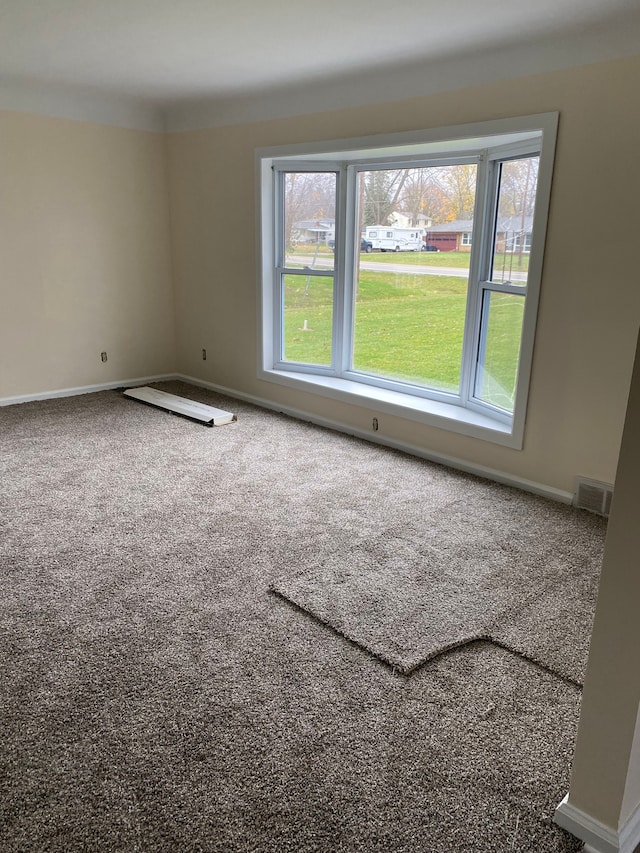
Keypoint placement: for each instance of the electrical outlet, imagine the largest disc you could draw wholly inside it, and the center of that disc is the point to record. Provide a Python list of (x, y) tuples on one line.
[(103, 356), (204, 355)]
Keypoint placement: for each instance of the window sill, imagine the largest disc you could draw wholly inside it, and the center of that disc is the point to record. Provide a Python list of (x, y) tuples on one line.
[(430, 412)]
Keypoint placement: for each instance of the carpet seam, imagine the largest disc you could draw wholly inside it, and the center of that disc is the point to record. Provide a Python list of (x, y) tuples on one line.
[(407, 671), (295, 606)]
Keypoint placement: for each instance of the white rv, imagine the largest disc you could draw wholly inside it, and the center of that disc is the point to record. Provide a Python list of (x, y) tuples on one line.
[(387, 238)]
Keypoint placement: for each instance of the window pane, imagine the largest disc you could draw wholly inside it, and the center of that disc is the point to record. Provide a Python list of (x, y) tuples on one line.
[(309, 219), (411, 291), (409, 326), (499, 350), (514, 220), (307, 302)]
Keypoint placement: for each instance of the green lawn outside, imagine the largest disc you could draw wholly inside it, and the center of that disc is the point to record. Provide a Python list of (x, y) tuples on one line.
[(499, 357), (307, 249), (410, 328), (308, 318), (407, 327), (459, 260)]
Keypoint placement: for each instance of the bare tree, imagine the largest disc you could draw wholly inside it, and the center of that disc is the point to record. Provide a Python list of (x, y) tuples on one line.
[(518, 184), (380, 191), (307, 196), (425, 192), (518, 180), (416, 194)]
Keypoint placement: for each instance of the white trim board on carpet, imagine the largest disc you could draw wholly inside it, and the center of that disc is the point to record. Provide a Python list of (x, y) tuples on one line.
[(208, 415)]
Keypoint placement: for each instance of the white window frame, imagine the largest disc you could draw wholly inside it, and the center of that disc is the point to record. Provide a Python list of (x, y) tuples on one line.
[(488, 144), (467, 239)]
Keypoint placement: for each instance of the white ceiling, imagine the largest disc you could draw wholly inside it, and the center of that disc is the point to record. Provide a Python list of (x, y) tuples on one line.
[(168, 53)]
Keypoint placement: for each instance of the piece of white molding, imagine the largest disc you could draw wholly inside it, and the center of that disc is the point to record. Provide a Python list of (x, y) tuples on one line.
[(84, 389), (598, 837), (192, 409), (439, 458)]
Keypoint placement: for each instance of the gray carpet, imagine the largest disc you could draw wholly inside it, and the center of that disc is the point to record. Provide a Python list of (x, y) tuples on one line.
[(156, 697), (408, 599)]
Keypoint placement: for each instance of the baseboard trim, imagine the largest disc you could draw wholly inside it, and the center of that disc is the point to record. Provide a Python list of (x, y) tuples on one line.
[(598, 838), (439, 458), (84, 389)]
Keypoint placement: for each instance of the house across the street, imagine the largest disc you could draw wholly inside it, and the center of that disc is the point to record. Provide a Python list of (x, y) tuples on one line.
[(513, 234), (313, 230)]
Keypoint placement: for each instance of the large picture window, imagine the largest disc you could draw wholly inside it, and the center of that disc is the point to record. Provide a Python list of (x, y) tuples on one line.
[(403, 273)]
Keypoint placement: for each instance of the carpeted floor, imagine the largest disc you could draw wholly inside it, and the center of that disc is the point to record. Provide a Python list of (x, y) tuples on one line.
[(407, 598), (157, 697)]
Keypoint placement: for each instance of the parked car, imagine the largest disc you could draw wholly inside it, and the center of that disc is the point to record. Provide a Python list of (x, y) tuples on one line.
[(365, 245), (430, 248)]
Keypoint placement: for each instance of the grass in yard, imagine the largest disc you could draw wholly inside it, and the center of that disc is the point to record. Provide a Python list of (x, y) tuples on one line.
[(310, 257), (500, 349), (408, 327), (459, 260), (308, 319)]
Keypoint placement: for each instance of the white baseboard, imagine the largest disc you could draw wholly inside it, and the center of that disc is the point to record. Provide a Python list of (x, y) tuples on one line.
[(441, 459), (598, 837), (84, 389)]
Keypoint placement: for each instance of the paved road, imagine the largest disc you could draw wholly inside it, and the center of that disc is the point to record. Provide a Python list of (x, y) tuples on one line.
[(417, 269)]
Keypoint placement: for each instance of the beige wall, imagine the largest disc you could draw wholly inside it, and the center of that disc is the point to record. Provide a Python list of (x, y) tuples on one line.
[(89, 259), (590, 301), (84, 243)]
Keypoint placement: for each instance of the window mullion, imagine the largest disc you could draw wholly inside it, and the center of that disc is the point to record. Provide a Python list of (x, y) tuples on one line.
[(345, 271), (504, 287), (480, 241), (278, 298)]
